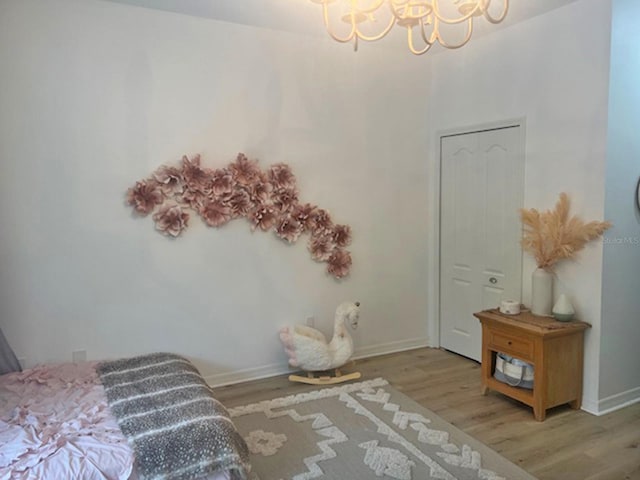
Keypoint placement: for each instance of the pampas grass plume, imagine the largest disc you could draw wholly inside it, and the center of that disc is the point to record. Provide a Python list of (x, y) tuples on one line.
[(551, 235)]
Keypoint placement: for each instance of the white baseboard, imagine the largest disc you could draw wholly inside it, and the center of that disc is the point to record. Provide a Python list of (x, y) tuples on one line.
[(247, 374), (590, 406), (266, 371), (612, 403), (391, 347), (618, 401)]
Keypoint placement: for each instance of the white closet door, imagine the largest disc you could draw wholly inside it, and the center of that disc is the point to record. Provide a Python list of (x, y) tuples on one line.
[(482, 178)]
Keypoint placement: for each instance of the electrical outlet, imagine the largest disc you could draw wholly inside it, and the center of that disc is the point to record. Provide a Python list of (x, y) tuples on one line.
[(79, 356), (311, 321)]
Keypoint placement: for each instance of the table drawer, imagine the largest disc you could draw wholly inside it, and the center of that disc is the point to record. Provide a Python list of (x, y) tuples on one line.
[(517, 346)]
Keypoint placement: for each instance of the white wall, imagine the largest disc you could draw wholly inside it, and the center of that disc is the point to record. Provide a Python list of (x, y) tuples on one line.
[(620, 362), (553, 71), (96, 95)]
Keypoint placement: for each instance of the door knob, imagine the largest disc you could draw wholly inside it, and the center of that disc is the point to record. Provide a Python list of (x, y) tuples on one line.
[(493, 280)]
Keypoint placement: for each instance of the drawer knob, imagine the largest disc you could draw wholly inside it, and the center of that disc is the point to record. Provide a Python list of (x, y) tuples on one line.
[(509, 342), (493, 280)]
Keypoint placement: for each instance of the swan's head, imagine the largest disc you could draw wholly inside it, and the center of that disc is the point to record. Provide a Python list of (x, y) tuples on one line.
[(349, 312)]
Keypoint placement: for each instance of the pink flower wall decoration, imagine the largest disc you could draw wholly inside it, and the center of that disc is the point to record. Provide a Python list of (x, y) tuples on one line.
[(288, 229), (195, 177), (285, 199), (321, 222), (169, 179), (240, 203), (304, 214), (215, 213), (268, 199), (171, 220), (263, 217), (281, 176), (260, 190), (144, 196), (321, 248), (245, 171), (222, 183), (341, 235), (339, 263)]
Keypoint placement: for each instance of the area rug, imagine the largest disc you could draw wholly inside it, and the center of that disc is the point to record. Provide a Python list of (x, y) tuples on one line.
[(361, 431)]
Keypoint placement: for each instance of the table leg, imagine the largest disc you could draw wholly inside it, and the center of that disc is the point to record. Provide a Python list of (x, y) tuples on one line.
[(539, 382), (488, 361), (540, 413)]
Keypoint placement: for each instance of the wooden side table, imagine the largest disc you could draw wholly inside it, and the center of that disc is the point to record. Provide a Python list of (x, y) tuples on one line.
[(556, 350)]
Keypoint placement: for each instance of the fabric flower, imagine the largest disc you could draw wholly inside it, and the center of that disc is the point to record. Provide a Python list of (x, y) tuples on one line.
[(260, 190), (244, 171), (321, 247), (304, 214), (195, 199), (221, 182), (288, 229), (281, 176), (264, 217), (171, 219), (240, 203), (194, 176), (144, 196), (169, 178), (339, 263), (216, 213), (341, 235), (321, 222), (284, 199)]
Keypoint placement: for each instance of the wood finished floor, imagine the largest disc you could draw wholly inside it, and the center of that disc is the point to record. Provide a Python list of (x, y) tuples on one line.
[(568, 445)]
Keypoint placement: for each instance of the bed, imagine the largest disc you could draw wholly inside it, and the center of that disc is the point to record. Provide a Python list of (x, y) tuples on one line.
[(57, 421)]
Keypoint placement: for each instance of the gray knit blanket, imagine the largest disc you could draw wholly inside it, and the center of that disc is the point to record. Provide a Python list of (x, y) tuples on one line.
[(177, 430)]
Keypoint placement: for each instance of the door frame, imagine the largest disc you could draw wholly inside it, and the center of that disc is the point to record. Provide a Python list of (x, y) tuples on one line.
[(433, 257)]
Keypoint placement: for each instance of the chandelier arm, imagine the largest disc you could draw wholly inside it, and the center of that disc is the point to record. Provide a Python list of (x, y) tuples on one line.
[(451, 21), (458, 45), (395, 6), (375, 37), (423, 34), (348, 38), (412, 48), (373, 8), (500, 17)]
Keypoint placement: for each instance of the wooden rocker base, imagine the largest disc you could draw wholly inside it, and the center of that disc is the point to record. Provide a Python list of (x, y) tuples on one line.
[(337, 377)]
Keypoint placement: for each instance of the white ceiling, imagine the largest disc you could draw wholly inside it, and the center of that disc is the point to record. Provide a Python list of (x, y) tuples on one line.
[(305, 16)]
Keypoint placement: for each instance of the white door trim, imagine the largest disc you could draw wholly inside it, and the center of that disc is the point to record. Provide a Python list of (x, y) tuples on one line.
[(433, 236)]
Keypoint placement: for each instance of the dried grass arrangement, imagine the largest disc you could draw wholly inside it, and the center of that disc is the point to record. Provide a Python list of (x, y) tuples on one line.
[(551, 235)]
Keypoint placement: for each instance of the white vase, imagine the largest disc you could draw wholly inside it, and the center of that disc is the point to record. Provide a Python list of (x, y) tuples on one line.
[(541, 292), (563, 310)]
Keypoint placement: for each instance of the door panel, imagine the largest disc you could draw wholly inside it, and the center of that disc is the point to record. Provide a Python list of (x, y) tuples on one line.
[(482, 176)]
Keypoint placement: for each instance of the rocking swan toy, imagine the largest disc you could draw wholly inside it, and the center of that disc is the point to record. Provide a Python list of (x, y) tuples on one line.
[(308, 349)]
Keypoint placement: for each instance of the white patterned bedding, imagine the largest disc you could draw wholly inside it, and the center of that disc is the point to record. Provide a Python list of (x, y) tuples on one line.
[(55, 424)]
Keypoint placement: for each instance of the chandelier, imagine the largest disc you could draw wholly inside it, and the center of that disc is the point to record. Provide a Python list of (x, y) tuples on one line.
[(426, 21)]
